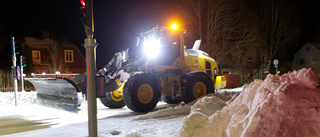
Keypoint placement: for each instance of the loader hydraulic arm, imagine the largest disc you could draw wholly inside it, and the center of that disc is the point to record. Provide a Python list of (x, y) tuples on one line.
[(113, 66)]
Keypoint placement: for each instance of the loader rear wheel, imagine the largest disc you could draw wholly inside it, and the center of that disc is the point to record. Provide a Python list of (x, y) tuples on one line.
[(169, 100), (197, 86), (112, 100), (141, 93)]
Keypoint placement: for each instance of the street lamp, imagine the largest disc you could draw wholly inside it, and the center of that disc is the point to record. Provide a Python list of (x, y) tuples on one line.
[(57, 73), (43, 74), (276, 62)]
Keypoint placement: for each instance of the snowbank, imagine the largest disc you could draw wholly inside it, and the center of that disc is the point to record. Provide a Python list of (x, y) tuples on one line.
[(166, 113), (200, 112), (283, 106), (23, 98)]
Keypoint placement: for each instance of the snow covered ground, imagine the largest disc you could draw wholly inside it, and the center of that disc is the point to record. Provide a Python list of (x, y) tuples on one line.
[(123, 122), (165, 120), (287, 105)]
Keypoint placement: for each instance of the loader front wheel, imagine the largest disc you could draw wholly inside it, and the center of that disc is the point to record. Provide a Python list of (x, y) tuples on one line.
[(112, 100), (141, 93), (197, 86)]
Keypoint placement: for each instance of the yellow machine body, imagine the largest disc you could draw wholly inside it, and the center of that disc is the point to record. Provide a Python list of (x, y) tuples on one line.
[(179, 62)]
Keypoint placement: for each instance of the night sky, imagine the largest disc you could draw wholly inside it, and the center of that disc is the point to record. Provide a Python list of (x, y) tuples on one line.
[(117, 22)]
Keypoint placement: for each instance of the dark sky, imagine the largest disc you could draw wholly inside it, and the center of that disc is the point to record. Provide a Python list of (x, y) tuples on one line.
[(117, 22), (310, 18)]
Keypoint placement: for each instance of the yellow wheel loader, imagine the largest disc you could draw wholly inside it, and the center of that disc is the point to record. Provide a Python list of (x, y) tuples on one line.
[(165, 70)]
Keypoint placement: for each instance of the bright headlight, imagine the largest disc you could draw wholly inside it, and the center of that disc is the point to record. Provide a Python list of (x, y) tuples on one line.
[(151, 47)]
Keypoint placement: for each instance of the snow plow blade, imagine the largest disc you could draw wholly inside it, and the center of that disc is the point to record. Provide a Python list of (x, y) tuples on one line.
[(58, 93)]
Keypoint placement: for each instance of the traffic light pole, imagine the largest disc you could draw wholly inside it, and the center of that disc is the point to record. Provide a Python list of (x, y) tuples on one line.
[(21, 66), (14, 74), (90, 45)]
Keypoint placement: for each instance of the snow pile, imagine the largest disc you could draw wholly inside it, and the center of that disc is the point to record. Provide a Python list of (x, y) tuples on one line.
[(208, 105), (200, 112), (23, 98), (288, 105), (166, 113)]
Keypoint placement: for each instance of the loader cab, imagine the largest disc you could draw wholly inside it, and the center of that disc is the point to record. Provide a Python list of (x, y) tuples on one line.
[(163, 47)]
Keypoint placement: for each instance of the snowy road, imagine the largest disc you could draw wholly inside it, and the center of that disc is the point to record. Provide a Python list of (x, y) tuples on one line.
[(273, 107), (31, 120), (111, 122)]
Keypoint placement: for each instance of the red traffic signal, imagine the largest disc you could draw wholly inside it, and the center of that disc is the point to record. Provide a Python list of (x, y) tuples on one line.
[(83, 4), (83, 12)]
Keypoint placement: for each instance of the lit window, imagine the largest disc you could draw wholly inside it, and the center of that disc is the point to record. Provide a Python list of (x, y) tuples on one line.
[(314, 61), (68, 55), (36, 59)]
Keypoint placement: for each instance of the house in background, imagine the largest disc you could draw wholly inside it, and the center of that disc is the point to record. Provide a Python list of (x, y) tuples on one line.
[(247, 68), (308, 57), (49, 56)]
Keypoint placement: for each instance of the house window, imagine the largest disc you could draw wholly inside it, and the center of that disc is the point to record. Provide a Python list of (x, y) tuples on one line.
[(307, 49), (314, 61), (301, 62), (36, 59), (68, 55)]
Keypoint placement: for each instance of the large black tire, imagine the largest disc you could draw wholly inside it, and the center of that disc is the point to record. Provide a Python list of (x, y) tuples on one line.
[(141, 92), (197, 86), (169, 100), (110, 102)]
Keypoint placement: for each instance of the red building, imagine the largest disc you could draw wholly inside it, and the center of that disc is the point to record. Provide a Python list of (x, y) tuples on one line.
[(51, 56)]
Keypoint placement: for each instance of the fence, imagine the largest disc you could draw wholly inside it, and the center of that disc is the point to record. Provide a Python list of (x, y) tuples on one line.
[(69, 76)]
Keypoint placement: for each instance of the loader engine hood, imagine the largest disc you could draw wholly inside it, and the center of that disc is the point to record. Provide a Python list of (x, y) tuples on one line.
[(195, 52)]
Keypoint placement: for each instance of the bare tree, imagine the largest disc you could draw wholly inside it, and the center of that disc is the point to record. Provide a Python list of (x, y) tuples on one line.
[(195, 13), (56, 63), (194, 10), (225, 27), (229, 29), (279, 27), (234, 32)]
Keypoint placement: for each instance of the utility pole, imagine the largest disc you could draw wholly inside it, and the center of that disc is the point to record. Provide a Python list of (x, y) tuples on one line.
[(22, 59), (14, 70), (90, 45)]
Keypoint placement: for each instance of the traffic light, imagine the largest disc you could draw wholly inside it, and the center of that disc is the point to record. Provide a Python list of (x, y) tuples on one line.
[(15, 46), (23, 61), (13, 72), (83, 4), (83, 12), (17, 50)]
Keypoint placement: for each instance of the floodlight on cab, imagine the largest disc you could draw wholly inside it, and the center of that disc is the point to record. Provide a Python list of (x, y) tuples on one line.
[(174, 26), (151, 47)]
